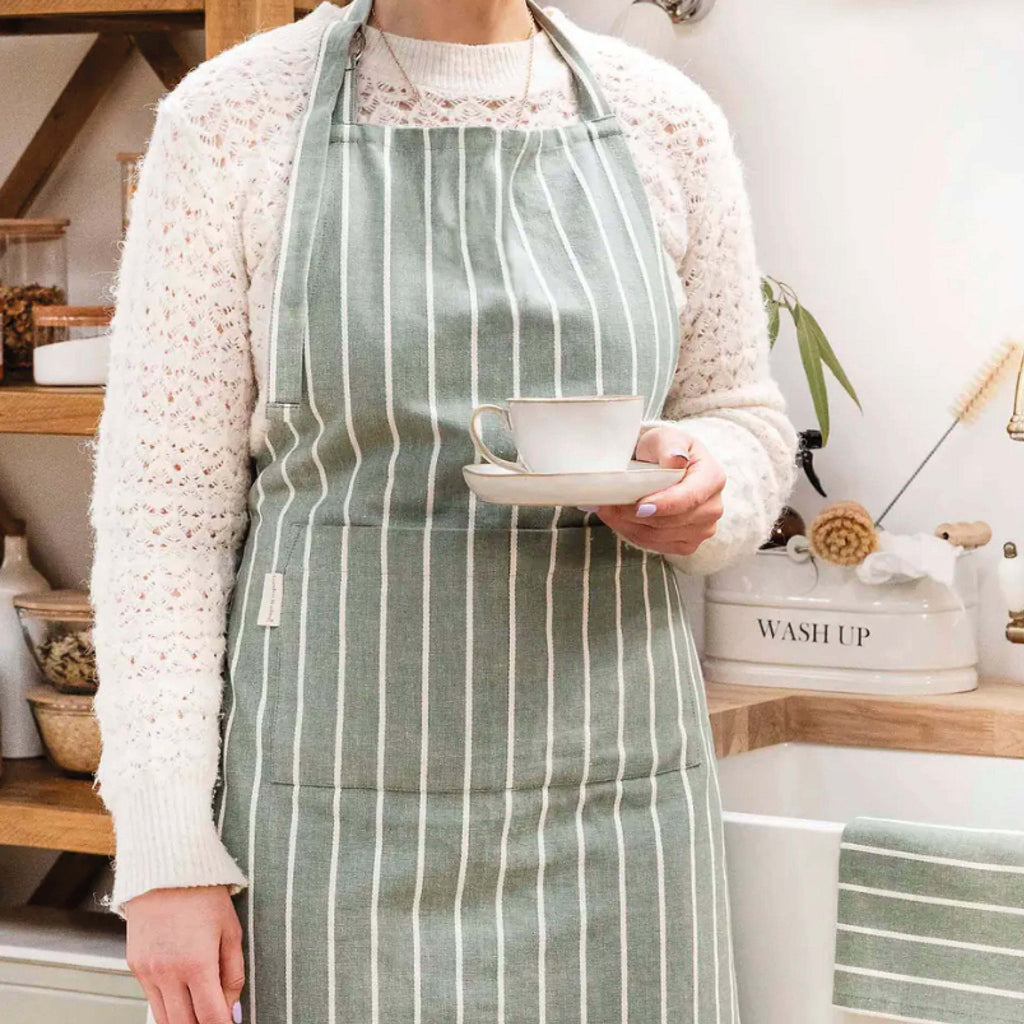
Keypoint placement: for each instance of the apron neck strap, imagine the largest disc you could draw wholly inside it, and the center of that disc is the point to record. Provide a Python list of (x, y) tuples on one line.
[(590, 98), (333, 88)]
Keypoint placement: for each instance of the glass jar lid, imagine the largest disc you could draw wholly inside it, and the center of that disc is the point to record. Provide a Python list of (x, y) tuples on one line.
[(69, 605), (33, 229), (72, 316)]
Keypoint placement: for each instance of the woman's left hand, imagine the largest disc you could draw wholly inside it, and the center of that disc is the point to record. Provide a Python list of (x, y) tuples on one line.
[(677, 519)]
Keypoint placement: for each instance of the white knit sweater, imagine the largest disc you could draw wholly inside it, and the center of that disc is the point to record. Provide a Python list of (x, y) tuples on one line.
[(184, 407)]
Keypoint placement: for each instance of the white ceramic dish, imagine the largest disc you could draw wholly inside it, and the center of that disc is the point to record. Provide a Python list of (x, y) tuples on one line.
[(507, 487), (72, 362)]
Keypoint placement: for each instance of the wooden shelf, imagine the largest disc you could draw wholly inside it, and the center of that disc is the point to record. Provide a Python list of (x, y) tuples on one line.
[(101, 8), (42, 17), (46, 17), (27, 408), (42, 807), (79, 8)]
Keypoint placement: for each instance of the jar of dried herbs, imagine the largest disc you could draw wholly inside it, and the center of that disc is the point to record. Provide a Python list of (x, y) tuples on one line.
[(33, 269)]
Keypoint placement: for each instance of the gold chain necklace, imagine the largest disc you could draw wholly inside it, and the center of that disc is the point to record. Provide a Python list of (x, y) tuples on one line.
[(534, 31)]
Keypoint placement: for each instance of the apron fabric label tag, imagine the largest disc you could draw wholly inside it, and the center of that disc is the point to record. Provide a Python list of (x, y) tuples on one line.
[(270, 605)]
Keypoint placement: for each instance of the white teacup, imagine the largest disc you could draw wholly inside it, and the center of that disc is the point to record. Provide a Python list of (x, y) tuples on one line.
[(575, 434)]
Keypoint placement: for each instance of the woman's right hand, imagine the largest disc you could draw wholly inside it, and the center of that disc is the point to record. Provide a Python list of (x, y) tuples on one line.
[(185, 947)]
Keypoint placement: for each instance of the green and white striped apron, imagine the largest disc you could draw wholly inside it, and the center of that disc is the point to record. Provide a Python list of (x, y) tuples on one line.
[(466, 758)]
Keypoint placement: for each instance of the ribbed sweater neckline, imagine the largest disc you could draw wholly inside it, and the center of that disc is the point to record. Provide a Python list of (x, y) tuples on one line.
[(493, 70)]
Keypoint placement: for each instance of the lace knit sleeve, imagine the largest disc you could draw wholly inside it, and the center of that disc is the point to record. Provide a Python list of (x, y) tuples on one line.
[(723, 392), (167, 509)]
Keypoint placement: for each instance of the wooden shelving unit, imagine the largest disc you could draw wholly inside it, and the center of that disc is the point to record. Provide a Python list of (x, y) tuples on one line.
[(120, 27), (39, 805)]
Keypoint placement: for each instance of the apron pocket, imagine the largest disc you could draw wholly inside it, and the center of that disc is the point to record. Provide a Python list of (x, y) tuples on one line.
[(455, 619)]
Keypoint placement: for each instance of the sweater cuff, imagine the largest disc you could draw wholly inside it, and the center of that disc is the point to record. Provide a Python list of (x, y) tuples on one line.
[(750, 501), (167, 838), (724, 439)]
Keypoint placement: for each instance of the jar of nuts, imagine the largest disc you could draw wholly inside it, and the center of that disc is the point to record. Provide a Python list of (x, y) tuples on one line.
[(57, 626), (33, 269)]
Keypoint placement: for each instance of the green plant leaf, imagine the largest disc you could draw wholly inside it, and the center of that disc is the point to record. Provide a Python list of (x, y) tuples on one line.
[(773, 324), (829, 357), (810, 354), (771, 306)]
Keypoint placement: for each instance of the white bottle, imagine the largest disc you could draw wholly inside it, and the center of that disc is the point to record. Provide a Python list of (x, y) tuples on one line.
[(19, 736)]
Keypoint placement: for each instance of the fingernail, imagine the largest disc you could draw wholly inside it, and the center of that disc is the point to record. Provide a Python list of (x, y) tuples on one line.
[(236, 1012), (681, 455), (587, 508), (646, 508)]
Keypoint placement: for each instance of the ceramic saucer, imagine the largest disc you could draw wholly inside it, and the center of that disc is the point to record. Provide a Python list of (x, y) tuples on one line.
[(508, 487)]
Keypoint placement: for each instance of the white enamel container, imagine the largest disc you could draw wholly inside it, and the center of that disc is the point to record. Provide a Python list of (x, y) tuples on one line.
[(771, 620)]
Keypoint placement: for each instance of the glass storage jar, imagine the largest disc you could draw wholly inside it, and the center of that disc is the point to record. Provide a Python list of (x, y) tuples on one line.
[(129, 180), (57, 626), (33, 269), (71, 345)]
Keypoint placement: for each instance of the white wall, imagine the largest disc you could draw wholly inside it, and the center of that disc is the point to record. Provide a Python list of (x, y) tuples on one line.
[(884, 152), (883, 142)]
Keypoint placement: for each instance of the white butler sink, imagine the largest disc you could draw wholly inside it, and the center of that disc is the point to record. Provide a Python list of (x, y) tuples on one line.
[(785, 808), (773, 621)]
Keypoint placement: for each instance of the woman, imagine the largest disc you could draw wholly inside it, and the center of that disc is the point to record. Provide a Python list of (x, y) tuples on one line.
[(451, 758)]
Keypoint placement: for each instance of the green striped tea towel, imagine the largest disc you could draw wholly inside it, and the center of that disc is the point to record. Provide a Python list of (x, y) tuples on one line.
[(931, 923)]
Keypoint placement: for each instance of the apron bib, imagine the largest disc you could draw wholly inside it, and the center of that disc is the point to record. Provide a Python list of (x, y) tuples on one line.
[(466, 761)]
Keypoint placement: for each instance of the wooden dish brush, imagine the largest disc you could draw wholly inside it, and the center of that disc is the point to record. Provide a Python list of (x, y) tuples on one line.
[(842, 533)]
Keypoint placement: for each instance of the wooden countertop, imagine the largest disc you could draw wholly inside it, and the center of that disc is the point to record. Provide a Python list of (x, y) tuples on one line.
[(40, 806), (988, 720)]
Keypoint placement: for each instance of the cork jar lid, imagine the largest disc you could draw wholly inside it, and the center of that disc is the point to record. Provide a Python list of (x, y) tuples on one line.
[(68, 605), (33, 228), (47, 696), (72, 316)]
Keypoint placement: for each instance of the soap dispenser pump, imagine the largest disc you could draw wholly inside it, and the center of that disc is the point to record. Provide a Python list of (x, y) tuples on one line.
[(1011, 583)]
